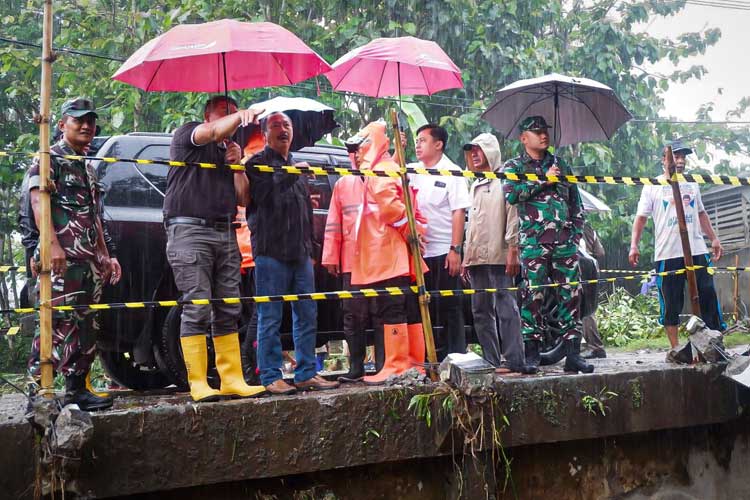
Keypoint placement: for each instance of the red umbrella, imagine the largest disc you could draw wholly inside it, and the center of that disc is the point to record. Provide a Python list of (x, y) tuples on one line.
[(395, 67), (220, 56)]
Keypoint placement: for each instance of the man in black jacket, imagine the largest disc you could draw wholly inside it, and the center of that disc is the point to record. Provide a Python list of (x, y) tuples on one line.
[(280, 220)]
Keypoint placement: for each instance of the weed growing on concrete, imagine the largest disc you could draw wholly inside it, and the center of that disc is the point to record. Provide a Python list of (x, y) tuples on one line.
[(636, 393), (550, 405), (595, 404), (370, 433), (477, 418)]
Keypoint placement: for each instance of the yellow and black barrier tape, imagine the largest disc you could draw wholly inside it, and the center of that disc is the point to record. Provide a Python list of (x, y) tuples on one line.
[(8, 269), (330, 170), (342, 294), (9, 332)]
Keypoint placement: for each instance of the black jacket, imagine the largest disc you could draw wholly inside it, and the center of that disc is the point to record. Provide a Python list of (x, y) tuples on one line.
[(280, 212)]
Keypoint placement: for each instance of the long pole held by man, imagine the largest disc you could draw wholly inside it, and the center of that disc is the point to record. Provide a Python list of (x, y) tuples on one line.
[(414, 246), (669, 167), (45, 283)]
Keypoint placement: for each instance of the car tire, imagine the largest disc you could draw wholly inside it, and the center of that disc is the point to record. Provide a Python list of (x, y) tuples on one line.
[(121, 368), (170, 353)]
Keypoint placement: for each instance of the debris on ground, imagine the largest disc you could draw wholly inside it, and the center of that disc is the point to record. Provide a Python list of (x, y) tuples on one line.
[(410, 378), (469, 372)]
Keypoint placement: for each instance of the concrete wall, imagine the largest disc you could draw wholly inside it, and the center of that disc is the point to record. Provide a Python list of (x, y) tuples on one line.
[(697, 463)]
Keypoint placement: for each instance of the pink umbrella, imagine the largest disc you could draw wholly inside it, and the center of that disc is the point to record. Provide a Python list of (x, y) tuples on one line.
[(395, 67), (220, 56)]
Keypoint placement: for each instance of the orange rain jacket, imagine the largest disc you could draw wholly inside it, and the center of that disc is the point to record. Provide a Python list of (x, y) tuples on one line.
[(381, 251), (340, 238), (243, 239)]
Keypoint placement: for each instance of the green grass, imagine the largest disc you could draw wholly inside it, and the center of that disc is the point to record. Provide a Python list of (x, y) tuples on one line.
[(661, 343)]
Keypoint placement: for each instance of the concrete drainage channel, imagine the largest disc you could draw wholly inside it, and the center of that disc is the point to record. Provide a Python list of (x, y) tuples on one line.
[(636, 428)]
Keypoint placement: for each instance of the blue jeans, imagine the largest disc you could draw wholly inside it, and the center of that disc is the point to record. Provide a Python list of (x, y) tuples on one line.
[(273, 277)]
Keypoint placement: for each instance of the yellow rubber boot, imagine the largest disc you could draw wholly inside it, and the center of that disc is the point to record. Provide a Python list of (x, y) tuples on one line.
[(195, 354), (229, 366), (90, 388)]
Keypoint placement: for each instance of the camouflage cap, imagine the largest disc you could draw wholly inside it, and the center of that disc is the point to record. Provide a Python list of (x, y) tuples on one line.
[(533, 123), (78, 107)]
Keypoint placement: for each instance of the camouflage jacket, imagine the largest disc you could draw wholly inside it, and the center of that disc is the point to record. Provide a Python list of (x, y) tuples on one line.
[(73, 202), (547, 213)]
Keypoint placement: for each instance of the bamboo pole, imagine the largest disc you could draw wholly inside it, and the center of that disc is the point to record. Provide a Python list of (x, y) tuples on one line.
[(695, 307), (422, 295), (45, 281)]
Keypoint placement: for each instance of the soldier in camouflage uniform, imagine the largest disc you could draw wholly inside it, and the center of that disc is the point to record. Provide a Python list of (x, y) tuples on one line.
[(79, 256), (551, 225)]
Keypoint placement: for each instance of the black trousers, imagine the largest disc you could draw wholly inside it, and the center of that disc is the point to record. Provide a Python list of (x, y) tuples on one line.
[(446, 312)]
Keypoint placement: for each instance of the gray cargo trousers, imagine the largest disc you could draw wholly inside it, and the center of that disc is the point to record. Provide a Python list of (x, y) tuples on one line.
[(497, 321), (206, 264)]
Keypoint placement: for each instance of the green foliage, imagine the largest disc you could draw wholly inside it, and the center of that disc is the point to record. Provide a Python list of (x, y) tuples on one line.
[(595, 404), (623, 318)]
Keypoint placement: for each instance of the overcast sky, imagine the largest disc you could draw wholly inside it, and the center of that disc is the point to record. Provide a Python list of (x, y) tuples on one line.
[(727, 62)]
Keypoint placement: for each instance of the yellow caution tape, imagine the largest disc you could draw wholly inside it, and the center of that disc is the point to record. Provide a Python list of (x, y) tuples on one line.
[(7, 269), (341, 294), (330, 170)]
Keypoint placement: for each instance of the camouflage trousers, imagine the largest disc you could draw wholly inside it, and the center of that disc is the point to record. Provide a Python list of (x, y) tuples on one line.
[(73, 332), (549, 263)]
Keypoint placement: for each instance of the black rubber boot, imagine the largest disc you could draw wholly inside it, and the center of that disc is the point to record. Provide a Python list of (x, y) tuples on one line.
[(76, 393), (573, 360), (357, 349), (379, 348), (533, 358)]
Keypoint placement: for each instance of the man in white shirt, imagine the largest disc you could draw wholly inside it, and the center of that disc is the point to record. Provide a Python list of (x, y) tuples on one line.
[(443, 201), (657, 202)]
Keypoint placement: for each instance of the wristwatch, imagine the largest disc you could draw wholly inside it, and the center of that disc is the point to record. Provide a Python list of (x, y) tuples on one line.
[(456, 248)]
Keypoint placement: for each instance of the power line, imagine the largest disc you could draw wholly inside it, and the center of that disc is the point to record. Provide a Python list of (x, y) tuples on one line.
[(428, 101), (720, 5), (61, 49)]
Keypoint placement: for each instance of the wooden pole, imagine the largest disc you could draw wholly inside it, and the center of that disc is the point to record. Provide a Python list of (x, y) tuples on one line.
[(736, 288), (422, 295), (695, 307), (45, 282)]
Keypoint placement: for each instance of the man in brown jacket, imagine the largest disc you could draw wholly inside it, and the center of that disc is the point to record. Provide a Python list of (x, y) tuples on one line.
[(491, 260)]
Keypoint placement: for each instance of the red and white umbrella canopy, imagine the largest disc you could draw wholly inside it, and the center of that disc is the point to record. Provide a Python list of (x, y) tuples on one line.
[(220, 56), (395, 67)]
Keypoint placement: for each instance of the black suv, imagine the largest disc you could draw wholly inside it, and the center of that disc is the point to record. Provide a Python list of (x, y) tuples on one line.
[(139, 348)]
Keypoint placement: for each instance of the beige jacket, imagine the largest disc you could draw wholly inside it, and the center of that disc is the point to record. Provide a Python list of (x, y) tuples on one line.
[(493, 225), (493, 222)]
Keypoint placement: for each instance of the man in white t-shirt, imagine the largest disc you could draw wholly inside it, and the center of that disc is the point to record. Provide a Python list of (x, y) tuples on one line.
[(443, 201), (657, 202)]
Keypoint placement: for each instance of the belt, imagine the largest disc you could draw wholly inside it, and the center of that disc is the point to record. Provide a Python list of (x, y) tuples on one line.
[(219, 225)]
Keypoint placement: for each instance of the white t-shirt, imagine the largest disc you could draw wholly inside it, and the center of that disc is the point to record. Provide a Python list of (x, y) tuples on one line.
[(437, 198), (657, 202)]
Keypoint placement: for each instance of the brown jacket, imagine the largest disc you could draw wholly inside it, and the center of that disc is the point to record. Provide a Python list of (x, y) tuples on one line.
[(493, 225)]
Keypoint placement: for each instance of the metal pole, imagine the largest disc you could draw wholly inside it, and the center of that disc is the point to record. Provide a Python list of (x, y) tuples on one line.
[(695, 307), (736, 288), (422, 295), (45, 282)]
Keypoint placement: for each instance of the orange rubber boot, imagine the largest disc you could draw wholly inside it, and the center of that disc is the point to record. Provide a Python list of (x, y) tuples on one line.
[(396, 343), (416, 347)]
